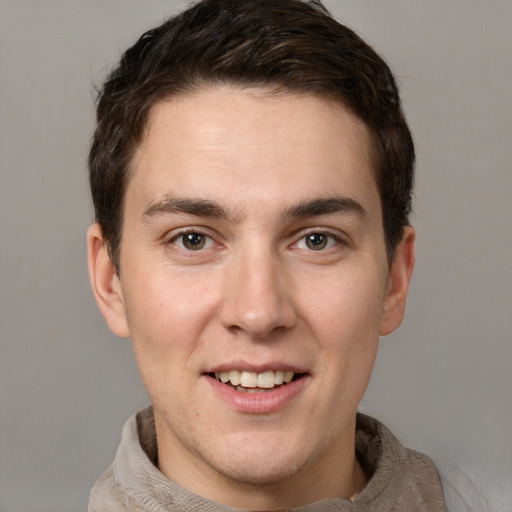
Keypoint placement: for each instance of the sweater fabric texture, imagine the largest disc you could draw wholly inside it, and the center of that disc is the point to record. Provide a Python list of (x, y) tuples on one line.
[(400, 479)]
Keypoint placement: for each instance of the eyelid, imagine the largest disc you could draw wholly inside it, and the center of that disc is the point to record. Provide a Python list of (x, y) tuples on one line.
[(175, 234), (336, 236)]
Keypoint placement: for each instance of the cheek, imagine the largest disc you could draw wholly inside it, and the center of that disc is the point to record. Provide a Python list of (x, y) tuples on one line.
[(346, 311), (165, 303), (167, 315), (345, 318)]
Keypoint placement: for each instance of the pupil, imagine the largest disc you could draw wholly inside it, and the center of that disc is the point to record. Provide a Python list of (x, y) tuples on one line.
[(193, 241), (316, 241)]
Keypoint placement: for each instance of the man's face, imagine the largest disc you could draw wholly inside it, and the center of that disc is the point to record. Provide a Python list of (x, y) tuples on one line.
[(253, 249)]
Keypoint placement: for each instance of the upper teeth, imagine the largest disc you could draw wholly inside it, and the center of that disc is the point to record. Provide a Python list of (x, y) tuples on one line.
[(265, 380)]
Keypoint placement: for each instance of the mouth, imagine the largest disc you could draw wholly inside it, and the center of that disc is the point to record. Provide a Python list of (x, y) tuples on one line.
[(253, 382)]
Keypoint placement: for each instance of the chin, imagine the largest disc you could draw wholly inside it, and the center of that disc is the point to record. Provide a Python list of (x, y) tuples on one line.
[(259, 464), (259, 475)]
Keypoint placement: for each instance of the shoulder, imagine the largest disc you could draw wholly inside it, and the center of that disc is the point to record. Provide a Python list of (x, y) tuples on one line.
[(416, 483), (400, 478), (116, 489), (108, 496)]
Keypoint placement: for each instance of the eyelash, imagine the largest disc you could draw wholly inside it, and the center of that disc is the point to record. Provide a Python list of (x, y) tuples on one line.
[(190, 231), (330, 240)]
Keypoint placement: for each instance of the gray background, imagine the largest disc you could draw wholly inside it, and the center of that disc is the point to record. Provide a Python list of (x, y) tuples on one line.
[(442, 382)]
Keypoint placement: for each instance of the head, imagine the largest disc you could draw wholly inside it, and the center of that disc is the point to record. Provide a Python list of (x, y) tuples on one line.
[(279, 45), (251, 174)]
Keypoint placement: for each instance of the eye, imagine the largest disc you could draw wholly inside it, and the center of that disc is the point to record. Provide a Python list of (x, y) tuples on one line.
[(192, 241), (317, 241)]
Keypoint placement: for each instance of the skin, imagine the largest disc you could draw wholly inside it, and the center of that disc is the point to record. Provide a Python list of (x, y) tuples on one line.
[(255, 293)]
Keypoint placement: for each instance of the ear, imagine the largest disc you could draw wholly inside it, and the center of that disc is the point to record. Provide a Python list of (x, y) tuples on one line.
[(399, 277), (105, 282)]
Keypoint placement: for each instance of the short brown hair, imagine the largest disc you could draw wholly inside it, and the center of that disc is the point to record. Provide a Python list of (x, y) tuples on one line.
[(287, 45)]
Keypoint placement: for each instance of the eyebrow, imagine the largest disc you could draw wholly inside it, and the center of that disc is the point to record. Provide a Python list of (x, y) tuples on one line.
[(207, 208), (199, 207), (326, 206)]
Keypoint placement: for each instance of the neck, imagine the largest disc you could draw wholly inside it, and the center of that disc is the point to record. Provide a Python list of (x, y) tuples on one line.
[(335, 474)]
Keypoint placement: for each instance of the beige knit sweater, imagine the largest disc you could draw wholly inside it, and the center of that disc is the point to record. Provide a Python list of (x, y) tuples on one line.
[(401, 480)]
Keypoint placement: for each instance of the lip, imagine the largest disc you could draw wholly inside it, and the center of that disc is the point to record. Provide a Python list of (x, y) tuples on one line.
[(265, 402)]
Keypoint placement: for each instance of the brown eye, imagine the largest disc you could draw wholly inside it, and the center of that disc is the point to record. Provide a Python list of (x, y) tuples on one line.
[(316, 241), (192, 241)]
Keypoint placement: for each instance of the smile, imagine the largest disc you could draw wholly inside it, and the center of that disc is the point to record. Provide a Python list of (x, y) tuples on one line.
[(252, 382), (250, 391)]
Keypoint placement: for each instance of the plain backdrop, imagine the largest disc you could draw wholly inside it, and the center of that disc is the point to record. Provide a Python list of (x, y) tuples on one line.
[(442, 383)]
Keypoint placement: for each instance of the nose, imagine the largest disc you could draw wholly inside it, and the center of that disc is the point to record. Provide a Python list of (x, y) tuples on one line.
[(257, 297)]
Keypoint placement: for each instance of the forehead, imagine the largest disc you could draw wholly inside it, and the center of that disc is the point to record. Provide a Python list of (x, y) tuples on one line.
[(257, 145)]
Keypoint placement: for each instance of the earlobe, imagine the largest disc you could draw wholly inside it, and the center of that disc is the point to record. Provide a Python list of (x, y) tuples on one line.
[(105, 283), (399, 277)]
